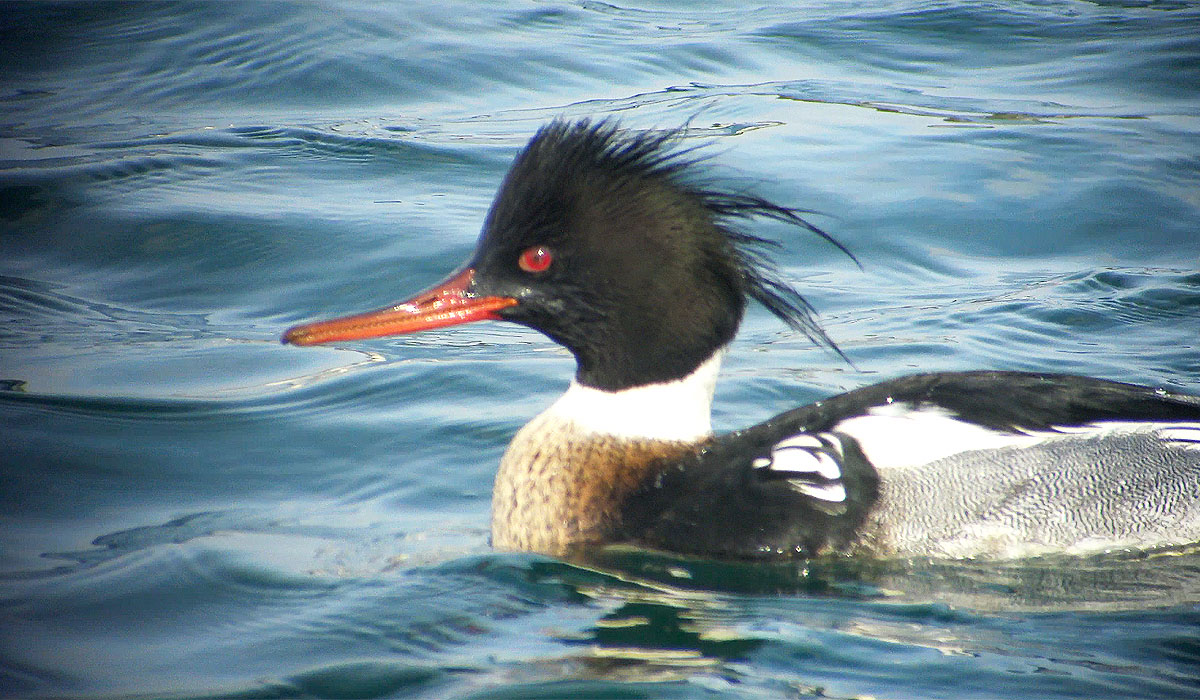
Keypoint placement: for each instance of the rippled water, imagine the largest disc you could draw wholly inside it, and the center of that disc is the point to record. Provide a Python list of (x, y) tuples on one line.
[(190, 509)]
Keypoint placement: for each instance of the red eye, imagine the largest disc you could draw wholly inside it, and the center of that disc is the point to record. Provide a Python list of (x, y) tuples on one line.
[(536, 259)]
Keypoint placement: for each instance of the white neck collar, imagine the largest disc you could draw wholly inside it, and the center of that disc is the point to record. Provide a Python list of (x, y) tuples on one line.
[(679, 410)]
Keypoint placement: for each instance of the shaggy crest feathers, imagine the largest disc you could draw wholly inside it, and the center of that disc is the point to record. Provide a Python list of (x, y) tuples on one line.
[(603, 145)]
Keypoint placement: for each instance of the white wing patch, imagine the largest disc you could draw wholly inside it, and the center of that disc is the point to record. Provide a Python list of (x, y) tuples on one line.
[(898, 436), (810, 464), (1186, 434), (833, 493)]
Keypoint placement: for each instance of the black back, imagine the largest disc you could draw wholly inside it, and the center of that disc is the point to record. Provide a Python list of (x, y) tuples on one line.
[(1007, 401)]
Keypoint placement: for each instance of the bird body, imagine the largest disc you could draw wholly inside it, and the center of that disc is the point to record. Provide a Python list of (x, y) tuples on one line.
[(614, 245)]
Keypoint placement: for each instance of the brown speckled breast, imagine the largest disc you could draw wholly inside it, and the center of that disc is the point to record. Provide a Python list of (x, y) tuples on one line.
[(560, 486)]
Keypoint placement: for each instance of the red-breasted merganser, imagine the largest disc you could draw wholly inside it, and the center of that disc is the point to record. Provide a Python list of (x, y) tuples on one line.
[(614, 245)]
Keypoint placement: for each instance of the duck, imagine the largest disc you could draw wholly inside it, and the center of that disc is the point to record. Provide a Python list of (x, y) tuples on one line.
[(619, 246)]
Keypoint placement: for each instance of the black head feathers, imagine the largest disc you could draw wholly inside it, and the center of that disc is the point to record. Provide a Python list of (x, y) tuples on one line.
[(654, 266)]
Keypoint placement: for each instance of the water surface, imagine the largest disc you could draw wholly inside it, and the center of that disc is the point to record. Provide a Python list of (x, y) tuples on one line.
[(190, 509)]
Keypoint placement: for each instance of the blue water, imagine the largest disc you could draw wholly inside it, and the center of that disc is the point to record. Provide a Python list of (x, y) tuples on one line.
[(190, 509)]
